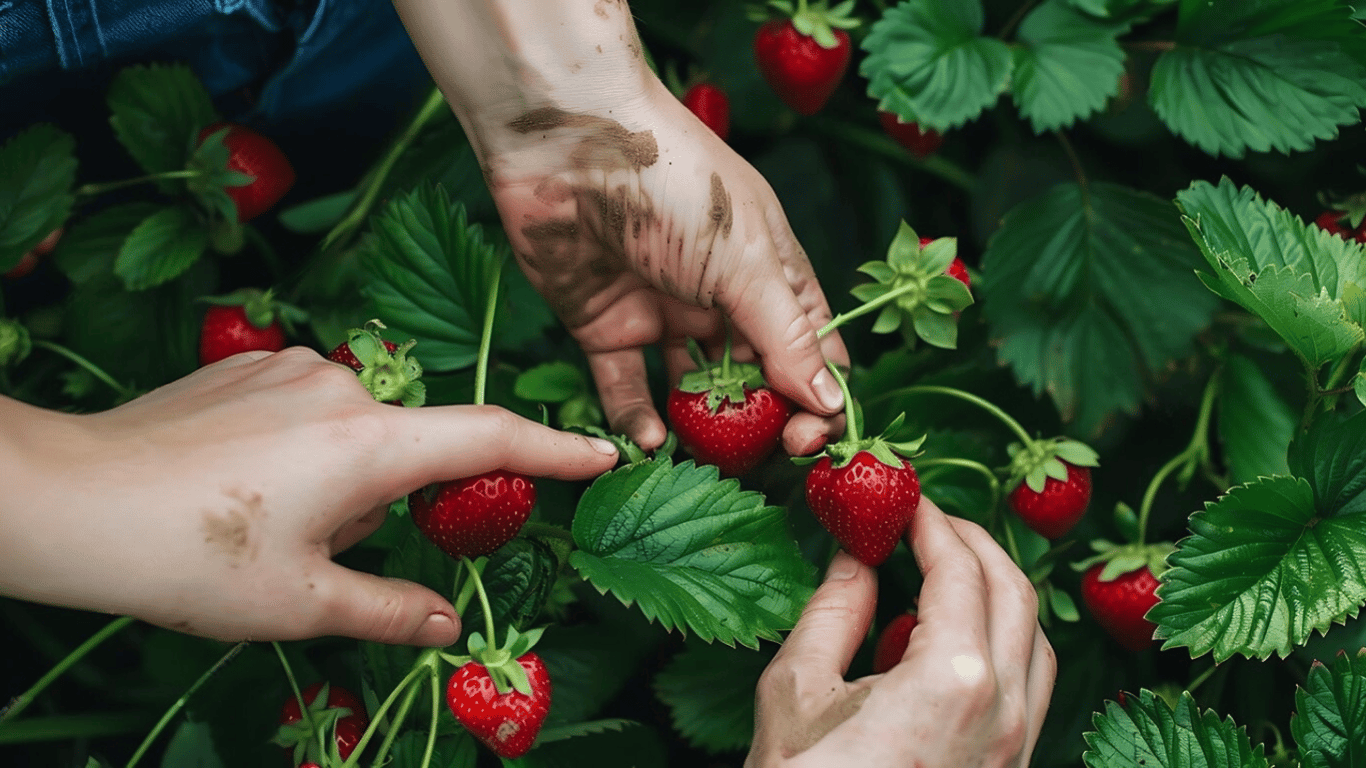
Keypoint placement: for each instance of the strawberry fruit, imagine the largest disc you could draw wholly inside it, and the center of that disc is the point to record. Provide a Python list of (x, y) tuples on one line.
[(956, 269), (866, 503), (1119, 604), (244, 320), (256, 156), (725, 414), (892, 643), (476, 515), (1053, 484), (385, 368), (1339, 223), (804, 56), (506, 721), (339, 709), (918, 141), (711, 106)]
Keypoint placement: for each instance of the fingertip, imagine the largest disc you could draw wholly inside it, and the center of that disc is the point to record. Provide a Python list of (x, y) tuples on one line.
[(438, 631), (643, 426)]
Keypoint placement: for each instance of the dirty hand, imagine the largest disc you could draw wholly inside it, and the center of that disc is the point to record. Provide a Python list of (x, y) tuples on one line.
[(637, 223), (971, 690), (214, 504)]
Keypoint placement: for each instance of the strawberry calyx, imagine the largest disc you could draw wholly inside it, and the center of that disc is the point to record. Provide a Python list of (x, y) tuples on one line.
[(301, 735), (502, 663), (815, 19), (261, 308), (1034, 462), (880, 447), (389, 376), (1120, 559), (15, 342), (724, 381)]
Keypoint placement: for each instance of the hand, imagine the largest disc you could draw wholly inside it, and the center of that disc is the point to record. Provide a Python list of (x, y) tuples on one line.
[(646, 228), (971, 690), (214, 505)]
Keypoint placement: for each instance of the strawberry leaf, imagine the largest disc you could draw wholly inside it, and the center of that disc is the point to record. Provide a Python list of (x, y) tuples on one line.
[(1121, 10), (695, 553), (89, 248), (551, 383), (1275, 560), (588, 728), (1067, 66), (1260, 76), (1329, 724), (37, 171), (589, 664), (158, 111), (929, 63), (1068, 269), (1149, 733), (519, 577), (1305, 283), (1255, 424), (161, 248), (709, 690)]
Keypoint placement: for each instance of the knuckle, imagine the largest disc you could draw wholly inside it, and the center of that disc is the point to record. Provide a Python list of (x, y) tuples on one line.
[(499, 426), (1050, 659), (1012, 732)]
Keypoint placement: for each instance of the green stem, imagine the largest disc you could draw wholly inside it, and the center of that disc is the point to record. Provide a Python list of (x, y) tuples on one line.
[(69, 727), (109, 186), (431, 729), (992, 481), (428, 660), (725, 355), (1076, 162), (880, 143), (26, 698), (1015, 19), (397, 725), (1312, 396), (989, 407), (180, 703), (304, 713), (375, 179), (1201, 678), (462, 599), (481, 366), (850, 423), (483, 602), (867, 307), (1012, 546), (1196, 448), (95, 370)]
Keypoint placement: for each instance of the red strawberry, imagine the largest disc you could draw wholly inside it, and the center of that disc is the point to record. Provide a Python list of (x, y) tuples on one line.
[(476, 515), (343, 354), (711, 106), (29, 261), (921, 142), (254, 155), (867, 505), (506, 723), (892, 643), (1053, 511), (803, 58), (957, 269), (349, 727), (725, 414), (244, 320), (1119, 605), (385, 368), (1339, 223)]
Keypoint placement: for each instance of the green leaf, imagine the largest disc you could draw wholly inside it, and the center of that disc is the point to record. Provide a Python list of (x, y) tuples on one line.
[(929, 63), (427, 275), (1260, 75), (1255, 424), (191, 746), (90, 247), (589, 664), (695, 553), (561, 732), (1331, 456), (551, 383), (636, 747), (37, 171), (709, 690), (1330, 719), (456, 750), (1067, 67), (161, 248), (1091, 296), (1121, 10), (1149, 733), (519, 577), (1304, 282), (319, 214), (1262, 570), (158, 111)]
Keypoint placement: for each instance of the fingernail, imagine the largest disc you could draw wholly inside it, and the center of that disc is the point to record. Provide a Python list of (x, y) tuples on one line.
[(828, 391), (842, 568), (438, 631), (602, 446)]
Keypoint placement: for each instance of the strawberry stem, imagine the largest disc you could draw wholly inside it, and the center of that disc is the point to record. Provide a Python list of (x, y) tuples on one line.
[(1196, 450), (851, 434), (481, 366), (483, 602), (985, 405), (175, 708), (304, 713), (725, 355), (1201, 678), (427, 662), (87, 190), (867, 307), (992, 482), (431, 729), (94, 370), (21, 702), (401, 715)]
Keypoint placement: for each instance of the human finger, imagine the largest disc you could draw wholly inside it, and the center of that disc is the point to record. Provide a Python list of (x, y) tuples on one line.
[(355, 530), (801, 278), (623, 388), (952, 607), (835, 621), (1043, 672), (368, 607), (1013, 605), (807, 433)]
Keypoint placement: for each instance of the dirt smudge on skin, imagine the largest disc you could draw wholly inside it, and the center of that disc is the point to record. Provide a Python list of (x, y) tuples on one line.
[(721, 214), (603, 143), (230, 532)]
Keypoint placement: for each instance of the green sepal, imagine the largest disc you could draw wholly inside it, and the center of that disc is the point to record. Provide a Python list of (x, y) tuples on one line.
[(1126, 521), (880, 271), (15, 342), (389, 376), (1041, 459), (1120, 559), (261, 307), (815, 20), (713, 379), (1062, 604), (884, 450)]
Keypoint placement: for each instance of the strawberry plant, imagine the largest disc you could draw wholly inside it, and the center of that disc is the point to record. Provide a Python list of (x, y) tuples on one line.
[(1135, 354)]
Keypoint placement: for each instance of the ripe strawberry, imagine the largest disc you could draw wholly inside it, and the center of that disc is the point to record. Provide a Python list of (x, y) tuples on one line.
[(957, 269), (349, 728), (892, 643), (29, 261), (385, 368), (725, 414), (1120, 604), (804, 57), (506, 723), (242, 321), (866, 504), (343, 354), (711, 106), (921, 142), (254, 155), (1340, 223), (476, 515), (1053, 511)]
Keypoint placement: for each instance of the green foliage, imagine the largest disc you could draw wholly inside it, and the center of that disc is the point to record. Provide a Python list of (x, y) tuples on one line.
[(709, 690), (1330, 720), (157, 113), (1091, 297), (161, 248), (1067, 66), (1149, 733), (1306, 284), (1331, 456), (695, 553), (1255, 423), (37, 171), (915, 294), (89, 248)]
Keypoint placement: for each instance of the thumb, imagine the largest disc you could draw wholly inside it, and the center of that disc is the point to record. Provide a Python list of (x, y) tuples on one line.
[(391, 611)]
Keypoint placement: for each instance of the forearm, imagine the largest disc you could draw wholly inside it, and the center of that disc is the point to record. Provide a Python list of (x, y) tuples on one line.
[(497, 61)]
